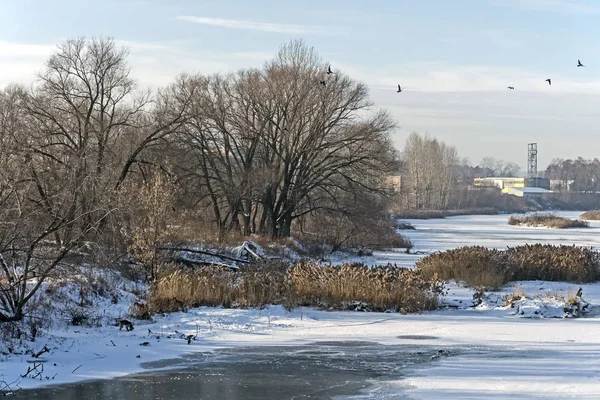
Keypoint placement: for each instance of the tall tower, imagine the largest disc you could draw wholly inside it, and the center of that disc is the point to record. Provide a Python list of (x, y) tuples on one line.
[(532, 160)]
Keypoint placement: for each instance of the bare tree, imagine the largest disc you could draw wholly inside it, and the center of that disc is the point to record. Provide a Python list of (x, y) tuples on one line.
[(494, 167), (80, 111), (272, 145), (430, 168), (31, 214)]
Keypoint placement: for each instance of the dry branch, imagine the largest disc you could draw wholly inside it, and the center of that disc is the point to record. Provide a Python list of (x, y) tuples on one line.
[(204, 252)]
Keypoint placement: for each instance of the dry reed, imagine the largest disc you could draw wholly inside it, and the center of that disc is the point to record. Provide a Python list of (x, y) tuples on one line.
[(331, 287), (593, 215), (479, 266), (548, 220)]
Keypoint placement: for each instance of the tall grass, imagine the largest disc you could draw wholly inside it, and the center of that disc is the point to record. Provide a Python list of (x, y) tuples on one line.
[(482, 267), (553, 263), (250, 286), (548, 220), (382, 288), (593, 215), (475, 265), (377, 288)]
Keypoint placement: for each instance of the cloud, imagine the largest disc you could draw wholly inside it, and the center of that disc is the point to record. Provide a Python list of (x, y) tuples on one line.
[(251, 25), (142, 46), (559, 6), (21, 61), (9, 49)]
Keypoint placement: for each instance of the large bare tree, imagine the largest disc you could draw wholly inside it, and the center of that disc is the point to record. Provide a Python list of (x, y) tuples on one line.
[(273, 145)]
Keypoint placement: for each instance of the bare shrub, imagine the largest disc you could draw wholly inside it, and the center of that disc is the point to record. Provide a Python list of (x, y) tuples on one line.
[(364, 231), (149, 208), (549, 221), (404, 226), (140, 310), (77, 315), (517, 294)]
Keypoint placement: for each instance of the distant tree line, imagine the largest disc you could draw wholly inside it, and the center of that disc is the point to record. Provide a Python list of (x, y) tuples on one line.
[(577, 175), (434, 177)]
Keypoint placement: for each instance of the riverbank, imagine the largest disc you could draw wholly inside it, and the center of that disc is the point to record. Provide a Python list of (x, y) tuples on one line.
[(560, 353), (104, 353)]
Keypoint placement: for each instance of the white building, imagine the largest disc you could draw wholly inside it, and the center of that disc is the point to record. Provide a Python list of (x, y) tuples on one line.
[(526, 191)]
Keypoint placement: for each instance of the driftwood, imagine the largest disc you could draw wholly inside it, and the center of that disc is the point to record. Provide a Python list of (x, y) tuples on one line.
[(42, 351), (9, 388), (34, 371), (247, 246), (194, 263), (204, 252)]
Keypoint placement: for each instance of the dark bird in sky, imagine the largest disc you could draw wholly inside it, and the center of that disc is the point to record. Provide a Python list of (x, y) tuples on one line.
[(329, 71), (399, 89), (322, 83), (579, 64), (549, 81), (511, 87)]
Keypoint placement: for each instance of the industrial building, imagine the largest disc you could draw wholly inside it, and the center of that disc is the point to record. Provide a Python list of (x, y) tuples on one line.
[(532, 186), (510, 182), (394, 182), (529, 192)]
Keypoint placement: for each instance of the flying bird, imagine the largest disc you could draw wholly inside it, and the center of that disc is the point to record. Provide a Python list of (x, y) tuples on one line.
[(322, 83), (549, 81), (399, 89), (329, 71), (511, 87), (579, 64)]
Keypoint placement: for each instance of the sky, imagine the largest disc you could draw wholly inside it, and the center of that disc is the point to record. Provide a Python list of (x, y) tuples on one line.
[(454, 59)]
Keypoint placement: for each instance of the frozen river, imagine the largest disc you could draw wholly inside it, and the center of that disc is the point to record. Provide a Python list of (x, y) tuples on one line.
[(319, 371), (484, 230)]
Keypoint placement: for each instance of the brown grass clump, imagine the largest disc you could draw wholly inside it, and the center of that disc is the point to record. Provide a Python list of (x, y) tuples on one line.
[(553, 263), (381, 288), (548, 220), (593, 215), (517, 294), (478, 266), (337, 287), (250, 286)]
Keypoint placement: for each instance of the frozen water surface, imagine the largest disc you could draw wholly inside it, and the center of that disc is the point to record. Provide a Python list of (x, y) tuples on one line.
[(321, 370)]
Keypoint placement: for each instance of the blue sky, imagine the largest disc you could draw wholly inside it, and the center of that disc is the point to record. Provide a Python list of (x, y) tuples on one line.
[(454, 58)]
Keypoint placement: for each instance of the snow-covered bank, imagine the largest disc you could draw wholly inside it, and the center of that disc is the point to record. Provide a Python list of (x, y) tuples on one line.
[(533, 357), (79, 353)]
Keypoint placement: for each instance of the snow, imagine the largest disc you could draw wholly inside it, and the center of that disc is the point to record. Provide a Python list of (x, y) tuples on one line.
[(533, 355), (490, 231)]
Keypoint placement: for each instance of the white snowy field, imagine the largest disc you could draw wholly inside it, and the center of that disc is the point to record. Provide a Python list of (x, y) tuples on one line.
[(524, 358)]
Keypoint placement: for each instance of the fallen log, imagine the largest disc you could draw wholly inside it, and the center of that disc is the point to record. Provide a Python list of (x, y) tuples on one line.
[(204, 252)]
